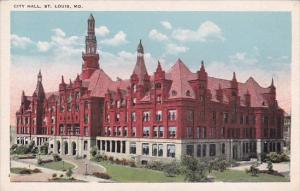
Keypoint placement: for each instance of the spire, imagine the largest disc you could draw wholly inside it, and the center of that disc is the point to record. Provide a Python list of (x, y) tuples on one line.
[(202, 69), (140, 67), (140, 48), (23, 98), (77, 77), (90, 56), (62, 79), (40, 76), (39, 90), (272, 83), (158, 68), (233, 78)]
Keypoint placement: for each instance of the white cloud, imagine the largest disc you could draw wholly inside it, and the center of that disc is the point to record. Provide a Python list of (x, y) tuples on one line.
[(59, 32), (166, 24), (207, 30), (242, 58), (118, 39), (175, 49), (155, 35), (102, 31), (20, 42), (43, 46)]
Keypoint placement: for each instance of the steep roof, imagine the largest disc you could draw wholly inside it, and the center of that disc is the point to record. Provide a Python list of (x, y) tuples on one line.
[(180, 75)]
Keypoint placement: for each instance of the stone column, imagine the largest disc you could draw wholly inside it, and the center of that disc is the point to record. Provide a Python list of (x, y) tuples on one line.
[(258, 149), (70, 151)]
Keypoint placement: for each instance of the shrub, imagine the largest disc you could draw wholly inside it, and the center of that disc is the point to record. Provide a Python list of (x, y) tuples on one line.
[(61, 176), (254, 170), (13, 148), (39, 161), (93, 151), (56, 157), (69, 173), (270, 166), (117, 161), (36, 170), (97, 157), (105, 157), (193, 169), (101, 175), (54, 175), (277, 157), (132, 164), (124, 162), (111, 159), (44, 148), (155, 165), (171, 169), (25, 171)]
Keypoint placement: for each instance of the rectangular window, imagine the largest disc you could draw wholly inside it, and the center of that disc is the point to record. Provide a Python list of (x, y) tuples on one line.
[(212, 150), (190, 150), (172, 132), (154, 150), (125, 131), (189, 132), (146, 131), (133, 116), (172, 115), (159, 116), (155, 131), (132, 149), (198, 132), (146, 116), (225, 117), (160, 150), (190, 115), (198, 150), (145, 149), (171, 151), (86, 131), (85, 145), (86, 118), (204, 150), (161, 131)]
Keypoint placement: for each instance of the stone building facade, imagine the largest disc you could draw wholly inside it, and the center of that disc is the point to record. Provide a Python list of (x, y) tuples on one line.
[(150, 117)]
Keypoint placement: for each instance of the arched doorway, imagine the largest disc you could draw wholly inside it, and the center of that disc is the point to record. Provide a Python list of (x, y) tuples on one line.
[(73, 148), (58, 147), (66, 147)]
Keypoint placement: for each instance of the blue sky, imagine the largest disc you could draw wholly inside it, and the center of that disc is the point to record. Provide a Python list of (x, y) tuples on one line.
[(254, 44)]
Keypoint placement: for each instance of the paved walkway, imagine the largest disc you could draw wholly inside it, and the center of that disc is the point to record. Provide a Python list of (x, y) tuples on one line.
[(79, 172), (283, 167)]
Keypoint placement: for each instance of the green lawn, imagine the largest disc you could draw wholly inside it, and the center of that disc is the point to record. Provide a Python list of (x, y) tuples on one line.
[(58, 165), (128, 174), (242, 176), (121, 173)]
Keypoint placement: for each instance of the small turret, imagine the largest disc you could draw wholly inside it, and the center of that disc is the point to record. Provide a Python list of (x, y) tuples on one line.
[(159, 73)]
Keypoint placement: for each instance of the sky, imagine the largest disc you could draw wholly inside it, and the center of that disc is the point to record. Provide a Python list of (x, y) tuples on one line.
[(256, 44)]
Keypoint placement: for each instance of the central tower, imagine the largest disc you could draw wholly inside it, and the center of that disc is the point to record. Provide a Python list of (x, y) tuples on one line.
[(90, 56)]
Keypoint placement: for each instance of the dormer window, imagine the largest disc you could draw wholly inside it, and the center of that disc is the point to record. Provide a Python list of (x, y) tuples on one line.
[(188, 93), (158, 85), (174, 93)]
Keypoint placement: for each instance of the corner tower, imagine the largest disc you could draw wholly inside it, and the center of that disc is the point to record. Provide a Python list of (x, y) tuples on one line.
[(90, 56)]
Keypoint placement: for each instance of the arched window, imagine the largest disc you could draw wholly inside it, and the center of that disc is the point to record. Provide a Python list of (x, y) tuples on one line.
[(174, 93), (188, 93), (158, 85)]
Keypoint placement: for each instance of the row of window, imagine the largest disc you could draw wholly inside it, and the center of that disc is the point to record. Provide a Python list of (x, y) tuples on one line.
[(146, 116), (157, 149)]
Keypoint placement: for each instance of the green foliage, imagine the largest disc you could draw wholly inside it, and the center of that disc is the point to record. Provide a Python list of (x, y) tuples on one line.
[(56, 157), (270, 166), (277, 157), (69, 173), (39, 161), (93, 151), (253, 170), (54, 175), (171, 169), (97, 157), (155, 165), (193, 169), (44, 148)]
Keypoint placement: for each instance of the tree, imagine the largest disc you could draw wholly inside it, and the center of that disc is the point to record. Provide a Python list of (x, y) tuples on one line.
[(270, 166), (193, 169), (93, 152), (69, 173), (171, 169)]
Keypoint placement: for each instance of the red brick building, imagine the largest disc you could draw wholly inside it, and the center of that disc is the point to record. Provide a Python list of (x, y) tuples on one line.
[(163, 115)]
